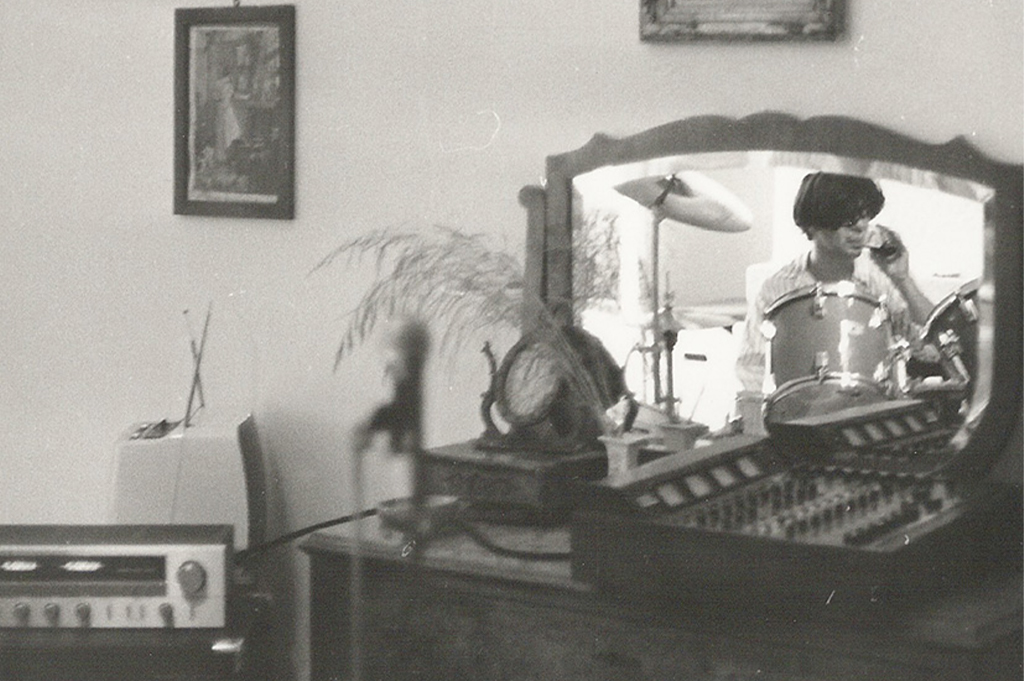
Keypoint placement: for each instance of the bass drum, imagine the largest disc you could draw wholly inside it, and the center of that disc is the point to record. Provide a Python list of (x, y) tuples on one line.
[(828, 329), (813, 396), (952, 328)]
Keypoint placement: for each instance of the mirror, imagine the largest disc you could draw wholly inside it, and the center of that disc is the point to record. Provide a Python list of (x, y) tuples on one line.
[(709, 275), (601, 246)]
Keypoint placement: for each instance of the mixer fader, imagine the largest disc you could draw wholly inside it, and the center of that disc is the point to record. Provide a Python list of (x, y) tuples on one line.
[(821, 507)]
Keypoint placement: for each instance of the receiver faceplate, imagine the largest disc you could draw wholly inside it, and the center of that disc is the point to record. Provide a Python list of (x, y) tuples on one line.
[(114, 576)]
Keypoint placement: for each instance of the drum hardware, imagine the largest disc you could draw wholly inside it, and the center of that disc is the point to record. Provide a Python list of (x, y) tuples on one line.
[(949, 346), (664, 327), (769, 331), (821, 364), (967, 307), (698, 202), (900, 355), (669, 337), (952, 328), (818, 306)]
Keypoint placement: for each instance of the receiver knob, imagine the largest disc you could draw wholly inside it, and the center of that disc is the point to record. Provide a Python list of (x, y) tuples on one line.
[(51, 611), (21, 613), (191, 578), (167, 614), (83, 611)]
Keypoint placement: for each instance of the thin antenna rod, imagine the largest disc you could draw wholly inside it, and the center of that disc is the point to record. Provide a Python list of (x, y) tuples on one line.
[(195, 357), (197, 361)]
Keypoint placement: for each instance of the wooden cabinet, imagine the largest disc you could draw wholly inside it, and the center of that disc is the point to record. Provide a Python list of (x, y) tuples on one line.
[(458, 611)]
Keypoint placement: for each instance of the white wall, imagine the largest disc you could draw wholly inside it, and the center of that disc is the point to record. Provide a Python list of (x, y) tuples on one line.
[(408, 113)]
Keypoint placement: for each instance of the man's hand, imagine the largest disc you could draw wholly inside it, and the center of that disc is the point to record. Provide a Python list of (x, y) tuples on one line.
[(893, 258), (896, 266)]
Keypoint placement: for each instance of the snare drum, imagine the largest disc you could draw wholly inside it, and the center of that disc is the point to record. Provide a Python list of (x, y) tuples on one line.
[(952, 328), (813, 396), (827, 329)]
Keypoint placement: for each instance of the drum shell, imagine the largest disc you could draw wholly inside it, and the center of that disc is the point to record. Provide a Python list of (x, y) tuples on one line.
[(823, 331)]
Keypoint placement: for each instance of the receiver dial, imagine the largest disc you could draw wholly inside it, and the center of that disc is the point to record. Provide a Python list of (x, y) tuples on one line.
[(191, 578)]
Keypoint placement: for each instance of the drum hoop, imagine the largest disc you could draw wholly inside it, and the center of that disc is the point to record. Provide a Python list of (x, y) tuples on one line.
[(860, 379), (968, 290), (828, 290)]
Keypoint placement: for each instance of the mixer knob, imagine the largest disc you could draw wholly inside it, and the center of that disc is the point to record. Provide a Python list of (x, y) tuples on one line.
[(22, 613), (51, 611), (167, 614), (83, 611), (191, 578)]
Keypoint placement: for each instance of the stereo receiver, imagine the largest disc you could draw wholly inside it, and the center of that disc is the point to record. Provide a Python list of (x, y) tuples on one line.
[(114, 576)]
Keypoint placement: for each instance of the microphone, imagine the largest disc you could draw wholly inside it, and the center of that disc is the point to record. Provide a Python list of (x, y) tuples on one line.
[(402, 417), (417, 517)]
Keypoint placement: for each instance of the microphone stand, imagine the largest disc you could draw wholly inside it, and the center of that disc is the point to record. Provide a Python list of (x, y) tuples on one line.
[(402, 419)]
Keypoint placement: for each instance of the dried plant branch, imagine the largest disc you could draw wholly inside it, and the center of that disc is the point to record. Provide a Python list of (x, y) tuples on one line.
[(596, 263), (461, 285), (443, 275)]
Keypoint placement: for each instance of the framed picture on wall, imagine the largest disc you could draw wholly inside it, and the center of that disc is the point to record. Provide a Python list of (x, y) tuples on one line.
[(682, 20), (234, 111)]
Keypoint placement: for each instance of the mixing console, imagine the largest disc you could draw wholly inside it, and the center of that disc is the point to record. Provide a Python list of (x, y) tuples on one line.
[(838, 508), (746, 515)]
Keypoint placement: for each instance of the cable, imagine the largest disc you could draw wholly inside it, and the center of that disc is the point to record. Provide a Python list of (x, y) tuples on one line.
[(246, 555), (473, 532), (483, 540)]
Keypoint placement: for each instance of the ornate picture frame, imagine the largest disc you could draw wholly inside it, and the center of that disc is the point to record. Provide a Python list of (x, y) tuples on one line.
[(742, 20), (234, 117)]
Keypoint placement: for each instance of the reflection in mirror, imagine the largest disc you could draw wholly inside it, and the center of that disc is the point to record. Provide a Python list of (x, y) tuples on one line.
[(635, 254)]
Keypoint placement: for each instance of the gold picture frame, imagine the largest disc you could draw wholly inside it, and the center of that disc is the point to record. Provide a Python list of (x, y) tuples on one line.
[(746, 20)]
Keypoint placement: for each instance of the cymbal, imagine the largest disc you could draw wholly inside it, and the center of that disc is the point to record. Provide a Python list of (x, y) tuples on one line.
[(734, 310), (701, 203), (699, 317), (702, 319)]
